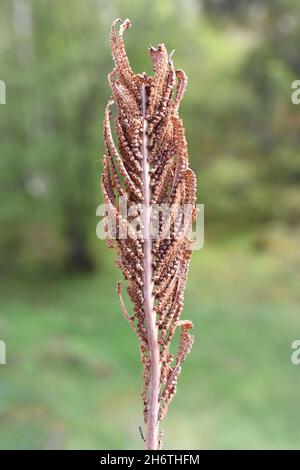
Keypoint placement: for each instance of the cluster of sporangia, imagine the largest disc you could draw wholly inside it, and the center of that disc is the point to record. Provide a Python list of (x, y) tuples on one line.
[(172, 182)]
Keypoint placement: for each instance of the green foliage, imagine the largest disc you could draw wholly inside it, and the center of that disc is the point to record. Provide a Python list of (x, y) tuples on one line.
[(70, 352), (242, 129)]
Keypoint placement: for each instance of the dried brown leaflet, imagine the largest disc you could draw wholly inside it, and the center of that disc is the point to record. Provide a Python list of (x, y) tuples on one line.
[(149, 165)]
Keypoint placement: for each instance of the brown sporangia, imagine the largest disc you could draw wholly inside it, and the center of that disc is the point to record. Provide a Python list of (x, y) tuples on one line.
[(147, 165)]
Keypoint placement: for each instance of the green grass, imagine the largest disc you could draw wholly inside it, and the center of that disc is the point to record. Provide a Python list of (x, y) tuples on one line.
[(73, 377)]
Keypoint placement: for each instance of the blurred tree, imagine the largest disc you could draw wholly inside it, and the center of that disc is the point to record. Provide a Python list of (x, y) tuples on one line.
[(243, 132), (52, 64)]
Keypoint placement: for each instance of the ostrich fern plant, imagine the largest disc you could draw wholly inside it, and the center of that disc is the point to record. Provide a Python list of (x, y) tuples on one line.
[(148, 167)]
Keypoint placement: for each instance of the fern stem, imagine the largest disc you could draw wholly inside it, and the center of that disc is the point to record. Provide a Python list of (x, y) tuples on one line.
[(152, 330)]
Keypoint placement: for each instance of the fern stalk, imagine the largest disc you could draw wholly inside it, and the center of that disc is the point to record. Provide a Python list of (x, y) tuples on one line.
[(152, 328)]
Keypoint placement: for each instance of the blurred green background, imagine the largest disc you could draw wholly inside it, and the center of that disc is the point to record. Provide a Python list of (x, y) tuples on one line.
[(73, 376)]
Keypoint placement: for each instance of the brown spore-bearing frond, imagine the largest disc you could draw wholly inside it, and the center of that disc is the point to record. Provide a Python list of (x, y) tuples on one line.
[(148, 164), (170, 374)]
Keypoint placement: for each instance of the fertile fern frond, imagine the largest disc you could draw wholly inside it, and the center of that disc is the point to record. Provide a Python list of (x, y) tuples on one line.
[(148, 167)]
